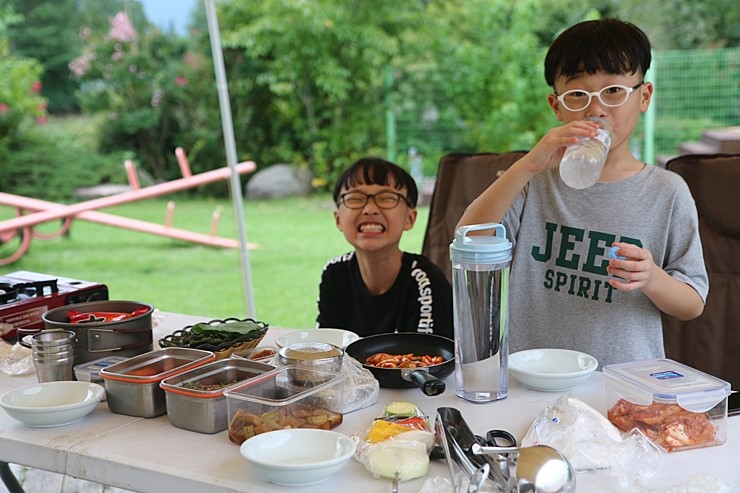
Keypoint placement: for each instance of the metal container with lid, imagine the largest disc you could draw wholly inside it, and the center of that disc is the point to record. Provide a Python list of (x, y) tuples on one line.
[(133, 387), (195, 398)]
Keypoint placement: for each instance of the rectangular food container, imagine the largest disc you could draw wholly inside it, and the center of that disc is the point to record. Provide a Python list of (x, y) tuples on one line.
[(284, 398), (195, 398), (132, 385), (90, 372), (676, 406)]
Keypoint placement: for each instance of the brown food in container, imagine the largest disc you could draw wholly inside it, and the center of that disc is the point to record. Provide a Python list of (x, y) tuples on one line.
[(278, 400)]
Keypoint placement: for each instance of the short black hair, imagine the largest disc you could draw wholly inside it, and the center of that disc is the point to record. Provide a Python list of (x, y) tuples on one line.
[(609, 45), (376, 171)]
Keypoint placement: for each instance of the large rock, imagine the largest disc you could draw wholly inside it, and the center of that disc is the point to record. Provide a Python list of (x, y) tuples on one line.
[(279, 180)]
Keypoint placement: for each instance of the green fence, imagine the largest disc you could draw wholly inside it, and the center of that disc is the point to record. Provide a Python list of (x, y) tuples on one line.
[(695, 90)]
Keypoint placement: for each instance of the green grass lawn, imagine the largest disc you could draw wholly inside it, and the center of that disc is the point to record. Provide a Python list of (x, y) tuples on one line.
[(294, 237)]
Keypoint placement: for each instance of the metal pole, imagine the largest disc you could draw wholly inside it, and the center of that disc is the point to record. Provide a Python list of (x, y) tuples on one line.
[(649, 151), (229, 143), (390, 118)]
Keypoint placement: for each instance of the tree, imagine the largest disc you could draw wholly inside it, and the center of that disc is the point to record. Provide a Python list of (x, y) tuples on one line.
[(47, 33), (20, 98), (310, 76)]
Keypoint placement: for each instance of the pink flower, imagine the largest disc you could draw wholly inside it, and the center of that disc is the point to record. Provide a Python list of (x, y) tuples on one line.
[(80, 65), (41, 120), (121, 28), (4, 108), (36, 86), (156, 98), (181, 81)]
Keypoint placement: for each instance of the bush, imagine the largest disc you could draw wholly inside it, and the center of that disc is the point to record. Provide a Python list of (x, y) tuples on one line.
[(52, 161)]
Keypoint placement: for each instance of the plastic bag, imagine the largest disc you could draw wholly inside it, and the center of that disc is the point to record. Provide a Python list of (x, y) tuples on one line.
[(15, 359), (589, 441), (397, 444), (361, 389)]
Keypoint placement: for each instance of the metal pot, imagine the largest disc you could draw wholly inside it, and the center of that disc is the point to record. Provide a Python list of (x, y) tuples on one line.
[(95, 340), (428, 379)]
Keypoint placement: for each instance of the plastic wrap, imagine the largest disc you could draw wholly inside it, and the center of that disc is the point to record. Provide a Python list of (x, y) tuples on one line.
[(15, 359), (397, 444), (589, 441), (361, 389)]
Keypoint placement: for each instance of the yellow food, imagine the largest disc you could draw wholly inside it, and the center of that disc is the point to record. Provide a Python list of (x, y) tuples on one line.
[(383, 430)]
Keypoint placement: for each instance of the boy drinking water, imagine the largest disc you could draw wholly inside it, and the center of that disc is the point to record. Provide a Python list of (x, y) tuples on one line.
[(565, 289)]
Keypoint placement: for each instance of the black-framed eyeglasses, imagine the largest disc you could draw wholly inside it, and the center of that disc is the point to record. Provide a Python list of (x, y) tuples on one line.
[(384, 200), (611, 96)]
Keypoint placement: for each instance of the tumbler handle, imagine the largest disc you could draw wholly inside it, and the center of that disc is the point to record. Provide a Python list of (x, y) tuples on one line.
[(463, 231)]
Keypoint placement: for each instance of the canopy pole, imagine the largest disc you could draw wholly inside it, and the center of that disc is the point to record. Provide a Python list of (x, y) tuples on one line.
[(229, 143)]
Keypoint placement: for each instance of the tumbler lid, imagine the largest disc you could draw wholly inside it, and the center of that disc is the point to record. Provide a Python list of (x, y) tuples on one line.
[(481, 249)]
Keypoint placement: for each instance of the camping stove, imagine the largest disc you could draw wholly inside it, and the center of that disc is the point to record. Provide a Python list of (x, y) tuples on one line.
[(25, 296)]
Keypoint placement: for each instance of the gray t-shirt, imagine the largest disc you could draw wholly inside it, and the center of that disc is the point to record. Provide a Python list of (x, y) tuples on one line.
[(559, 296)]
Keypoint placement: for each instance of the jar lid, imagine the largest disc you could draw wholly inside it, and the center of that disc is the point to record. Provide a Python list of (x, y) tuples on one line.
[(665, 380), (481, 249)]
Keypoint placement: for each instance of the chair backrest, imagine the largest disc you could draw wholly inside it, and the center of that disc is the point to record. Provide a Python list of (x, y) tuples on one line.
[(711, 342), (461, 177)]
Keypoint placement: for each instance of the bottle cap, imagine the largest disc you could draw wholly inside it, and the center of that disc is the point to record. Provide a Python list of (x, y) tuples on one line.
[(612, 253), (481, 249)]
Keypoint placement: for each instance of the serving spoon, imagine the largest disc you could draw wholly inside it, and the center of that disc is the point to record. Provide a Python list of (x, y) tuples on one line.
[(535, 469)]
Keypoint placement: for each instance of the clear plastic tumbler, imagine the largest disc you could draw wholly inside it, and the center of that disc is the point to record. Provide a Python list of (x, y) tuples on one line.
[(480, 287)]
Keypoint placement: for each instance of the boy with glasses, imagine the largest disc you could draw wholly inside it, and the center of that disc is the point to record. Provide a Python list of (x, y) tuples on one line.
[(378, 288), (594, 268)]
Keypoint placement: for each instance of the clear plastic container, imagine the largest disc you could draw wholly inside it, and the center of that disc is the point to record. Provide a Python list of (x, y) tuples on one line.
[(287, 397), (90, 372), (676, 406)]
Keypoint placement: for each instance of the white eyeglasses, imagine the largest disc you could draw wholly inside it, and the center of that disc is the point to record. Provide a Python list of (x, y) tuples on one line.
[(611, 96)]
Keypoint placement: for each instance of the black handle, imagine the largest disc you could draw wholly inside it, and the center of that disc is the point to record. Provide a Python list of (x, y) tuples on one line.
[(428, 383)]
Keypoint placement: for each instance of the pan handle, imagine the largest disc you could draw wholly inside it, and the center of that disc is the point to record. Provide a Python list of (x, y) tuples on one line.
[(428, 383)]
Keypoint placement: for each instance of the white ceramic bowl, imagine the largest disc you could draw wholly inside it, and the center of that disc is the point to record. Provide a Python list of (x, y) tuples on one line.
[(339, 337), (552, 370), (299, 456), (50, 404)]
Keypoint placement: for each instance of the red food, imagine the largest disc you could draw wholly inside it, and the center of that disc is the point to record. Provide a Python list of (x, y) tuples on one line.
[(669, 425), (76, 317), (410, 360), (418, 423)]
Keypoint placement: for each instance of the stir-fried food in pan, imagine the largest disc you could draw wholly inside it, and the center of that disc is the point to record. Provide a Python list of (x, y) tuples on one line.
[(410, 360)]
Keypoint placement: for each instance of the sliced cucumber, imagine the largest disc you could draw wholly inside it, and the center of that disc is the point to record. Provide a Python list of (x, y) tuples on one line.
[(400, 409)]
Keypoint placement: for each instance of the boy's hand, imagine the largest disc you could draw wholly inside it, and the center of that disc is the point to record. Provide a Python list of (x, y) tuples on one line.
[(634, 271), (548, 152)]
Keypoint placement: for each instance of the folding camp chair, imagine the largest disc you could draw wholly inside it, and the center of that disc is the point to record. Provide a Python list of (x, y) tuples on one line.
[(461, 177), (711, 342)]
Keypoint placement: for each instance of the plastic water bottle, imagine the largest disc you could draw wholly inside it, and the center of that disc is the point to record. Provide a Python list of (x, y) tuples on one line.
[(583, 161)]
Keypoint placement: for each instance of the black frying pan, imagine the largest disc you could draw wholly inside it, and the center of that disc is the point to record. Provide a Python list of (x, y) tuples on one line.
[(428, 379)]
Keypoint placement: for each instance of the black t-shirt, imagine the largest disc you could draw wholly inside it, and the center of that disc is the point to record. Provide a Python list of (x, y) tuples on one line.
[(420, 299)]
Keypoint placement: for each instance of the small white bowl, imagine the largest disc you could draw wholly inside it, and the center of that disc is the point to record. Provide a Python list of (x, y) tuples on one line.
[(48, 404), (339, 337), (552, 370), (299, 456)]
